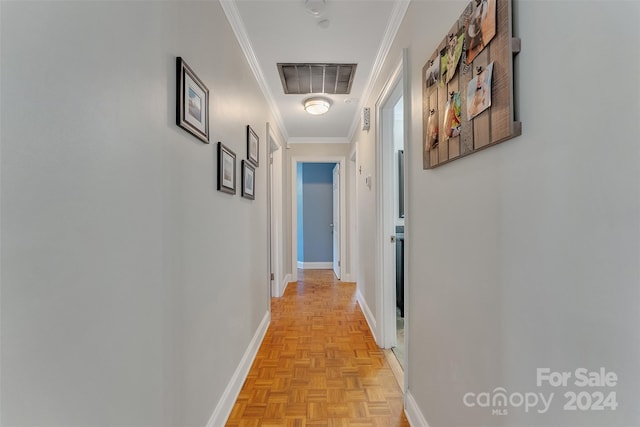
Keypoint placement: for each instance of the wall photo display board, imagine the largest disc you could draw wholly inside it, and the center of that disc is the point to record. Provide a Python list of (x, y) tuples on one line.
[(467, 85)]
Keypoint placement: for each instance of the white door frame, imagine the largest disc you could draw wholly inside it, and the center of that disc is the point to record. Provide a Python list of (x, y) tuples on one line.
[(396, 86), (274, 212), (353, 216), (294, 207), (336, 230)]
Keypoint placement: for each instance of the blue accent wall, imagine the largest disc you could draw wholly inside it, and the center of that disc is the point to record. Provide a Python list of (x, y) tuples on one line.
[(317, 208)]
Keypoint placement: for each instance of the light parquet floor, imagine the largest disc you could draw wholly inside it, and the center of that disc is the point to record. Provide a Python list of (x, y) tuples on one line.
[(319, 364)]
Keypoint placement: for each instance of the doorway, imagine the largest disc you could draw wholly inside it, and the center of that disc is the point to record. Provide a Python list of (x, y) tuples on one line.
[(307, 250), (391, 202), (336, 228), (318, 222), (277, 281)]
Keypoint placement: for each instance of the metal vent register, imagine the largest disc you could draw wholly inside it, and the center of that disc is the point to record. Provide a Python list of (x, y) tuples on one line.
[(316, 78)]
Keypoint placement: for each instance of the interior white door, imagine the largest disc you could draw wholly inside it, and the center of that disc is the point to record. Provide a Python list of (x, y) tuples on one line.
[(336, 220)]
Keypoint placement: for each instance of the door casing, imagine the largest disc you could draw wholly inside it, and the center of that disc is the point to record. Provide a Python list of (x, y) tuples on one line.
[(294, 208)]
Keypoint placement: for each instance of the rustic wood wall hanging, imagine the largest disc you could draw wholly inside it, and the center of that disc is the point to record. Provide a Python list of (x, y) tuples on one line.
[(467, 85)]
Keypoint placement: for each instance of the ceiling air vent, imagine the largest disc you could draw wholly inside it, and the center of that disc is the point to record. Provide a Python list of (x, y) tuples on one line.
[(317, 78)]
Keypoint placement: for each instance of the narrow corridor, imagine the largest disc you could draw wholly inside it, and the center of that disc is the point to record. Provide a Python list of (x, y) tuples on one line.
[(319, 364)]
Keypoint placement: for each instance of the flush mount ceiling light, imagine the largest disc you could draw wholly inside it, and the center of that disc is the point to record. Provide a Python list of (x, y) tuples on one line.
[(317, 105)]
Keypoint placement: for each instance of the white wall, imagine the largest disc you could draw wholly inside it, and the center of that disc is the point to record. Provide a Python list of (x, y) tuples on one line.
[(130, 287), (525, 255)]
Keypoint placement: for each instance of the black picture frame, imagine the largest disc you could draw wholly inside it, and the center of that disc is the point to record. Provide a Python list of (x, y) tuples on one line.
[(226, 169), (248, 180), (192, 102), (253, 147)]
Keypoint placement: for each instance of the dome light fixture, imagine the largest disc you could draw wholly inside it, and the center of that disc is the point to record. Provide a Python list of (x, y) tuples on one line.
[(317, 105)]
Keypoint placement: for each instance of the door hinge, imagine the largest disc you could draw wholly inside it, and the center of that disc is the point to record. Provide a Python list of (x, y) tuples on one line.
[(338, 263), (273, 276)]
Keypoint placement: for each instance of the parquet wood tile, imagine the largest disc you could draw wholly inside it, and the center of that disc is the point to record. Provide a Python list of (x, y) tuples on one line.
[(319, 365)]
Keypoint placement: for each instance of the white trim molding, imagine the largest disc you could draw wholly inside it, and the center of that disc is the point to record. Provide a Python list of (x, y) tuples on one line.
[(231, 392), (348, 278), (368, 314), (315, 265), (283, 286), (397, 15), (412, 411), (318, 140), (233, 16)]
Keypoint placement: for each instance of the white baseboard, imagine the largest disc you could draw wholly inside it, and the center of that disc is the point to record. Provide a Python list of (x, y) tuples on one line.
[(412, 411), (231, 392), (315, 265), (283, 287), (368, 314), (348, 278)]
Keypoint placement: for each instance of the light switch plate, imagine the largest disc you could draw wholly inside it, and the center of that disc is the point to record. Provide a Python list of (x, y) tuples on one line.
[(366, 116)]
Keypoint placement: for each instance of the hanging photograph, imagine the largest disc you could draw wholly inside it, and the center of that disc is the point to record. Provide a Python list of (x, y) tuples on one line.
[(451, 123), (479, 92), (432, 131), (226, 169), (192, 102), (432, 75), (253, 146), (480, 28), (450, 56), (248, 180)]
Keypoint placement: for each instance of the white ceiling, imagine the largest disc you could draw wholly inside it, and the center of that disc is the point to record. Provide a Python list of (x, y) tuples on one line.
[(273, 31)]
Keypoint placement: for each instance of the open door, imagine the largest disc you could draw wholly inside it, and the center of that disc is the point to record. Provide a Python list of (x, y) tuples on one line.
[(392, 123), (274, 215), (336, 220)]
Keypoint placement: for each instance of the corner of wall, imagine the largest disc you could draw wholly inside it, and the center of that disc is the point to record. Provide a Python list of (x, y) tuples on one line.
[(231, 392)]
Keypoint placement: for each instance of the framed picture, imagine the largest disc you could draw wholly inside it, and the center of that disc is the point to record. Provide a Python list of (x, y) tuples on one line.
[(248, 180), (192, 102), (226, 169), (253, 147)]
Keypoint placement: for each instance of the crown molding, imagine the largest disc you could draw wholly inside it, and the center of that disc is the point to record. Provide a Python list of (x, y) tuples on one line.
[(233, 16), (397, 15), (318, 140)]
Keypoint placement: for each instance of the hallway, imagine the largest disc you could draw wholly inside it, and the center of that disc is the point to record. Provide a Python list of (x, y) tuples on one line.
[(319, 364)]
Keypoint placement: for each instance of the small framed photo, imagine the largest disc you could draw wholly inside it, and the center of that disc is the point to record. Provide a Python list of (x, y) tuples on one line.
[(253, 147), (192, 102), (248, 180), (226, 169)]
